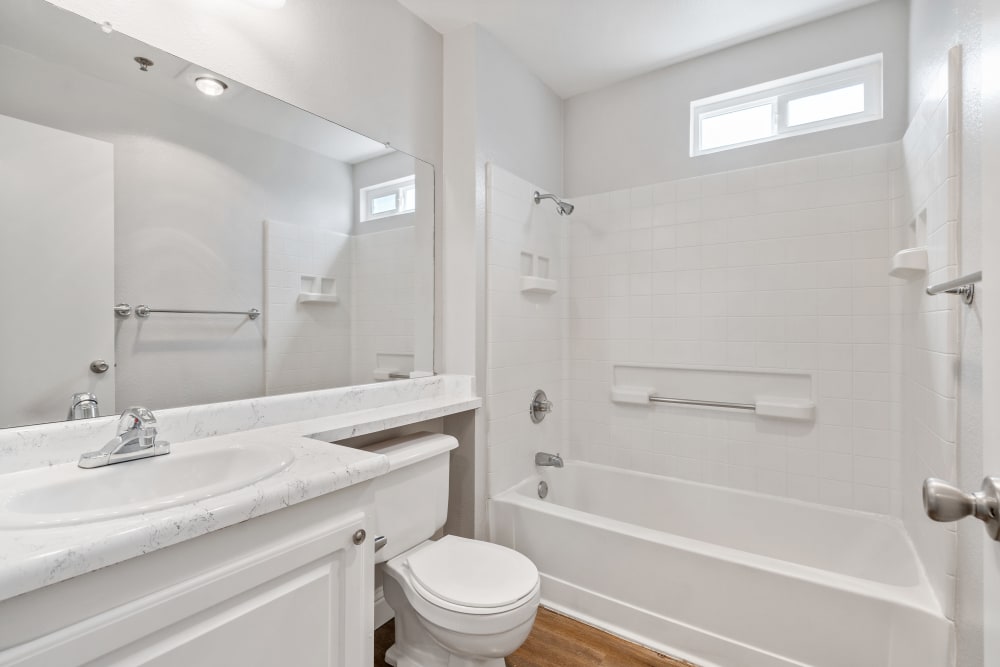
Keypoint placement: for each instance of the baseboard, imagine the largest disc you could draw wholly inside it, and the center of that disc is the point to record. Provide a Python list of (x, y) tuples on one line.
[(383, 612)]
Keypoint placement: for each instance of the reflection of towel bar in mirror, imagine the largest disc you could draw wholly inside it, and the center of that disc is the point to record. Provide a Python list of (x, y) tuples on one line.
[(124, 310)]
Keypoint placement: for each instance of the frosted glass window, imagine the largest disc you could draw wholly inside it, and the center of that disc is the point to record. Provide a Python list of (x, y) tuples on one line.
[(823, 106), (737, 127), (395, 197), (823, 99), (383, 204)]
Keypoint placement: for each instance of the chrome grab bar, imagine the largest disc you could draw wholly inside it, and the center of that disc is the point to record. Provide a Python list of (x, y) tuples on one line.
[(964, 286), (711, 404)]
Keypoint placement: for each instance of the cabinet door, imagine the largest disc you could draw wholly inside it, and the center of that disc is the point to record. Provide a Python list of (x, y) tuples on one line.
[(305, 600)]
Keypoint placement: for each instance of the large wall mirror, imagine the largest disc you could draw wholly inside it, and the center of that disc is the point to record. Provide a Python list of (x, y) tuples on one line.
[(134, 183)]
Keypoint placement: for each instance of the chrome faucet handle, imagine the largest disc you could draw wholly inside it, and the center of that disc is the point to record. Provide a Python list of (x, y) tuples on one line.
[(140, 419), (540, 406)]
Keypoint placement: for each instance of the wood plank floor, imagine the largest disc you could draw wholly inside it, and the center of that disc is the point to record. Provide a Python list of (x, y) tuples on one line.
[(559, 641)]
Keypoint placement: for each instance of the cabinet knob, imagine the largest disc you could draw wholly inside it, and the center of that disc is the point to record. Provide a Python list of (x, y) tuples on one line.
[(359, 536), (99, 366)]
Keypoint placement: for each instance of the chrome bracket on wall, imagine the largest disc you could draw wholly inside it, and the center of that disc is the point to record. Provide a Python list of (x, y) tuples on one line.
[(964, 287)]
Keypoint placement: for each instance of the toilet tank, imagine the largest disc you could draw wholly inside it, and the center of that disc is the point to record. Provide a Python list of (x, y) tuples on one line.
[(411, 500)]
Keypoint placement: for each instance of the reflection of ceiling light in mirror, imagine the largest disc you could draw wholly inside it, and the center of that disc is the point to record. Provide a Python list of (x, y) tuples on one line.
[(209, 86)]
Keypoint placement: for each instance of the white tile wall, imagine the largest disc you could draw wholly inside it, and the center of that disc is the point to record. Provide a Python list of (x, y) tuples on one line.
[(929, 325), (783, 266), (384, 297), (526, 333), (307, 345)]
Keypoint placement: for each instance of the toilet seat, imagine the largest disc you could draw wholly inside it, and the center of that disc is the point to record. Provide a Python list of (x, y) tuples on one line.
[(473, 620), (471, 576)]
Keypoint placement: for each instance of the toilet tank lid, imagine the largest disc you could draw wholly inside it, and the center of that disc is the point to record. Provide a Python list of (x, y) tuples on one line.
[(472, 573), (414, 448)]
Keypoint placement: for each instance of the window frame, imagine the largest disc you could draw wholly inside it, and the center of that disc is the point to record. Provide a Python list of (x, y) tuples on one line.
[(397, 186), (779, 93)]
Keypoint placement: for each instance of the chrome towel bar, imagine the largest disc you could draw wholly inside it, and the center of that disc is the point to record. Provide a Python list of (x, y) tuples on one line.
[(711, 404), (124, 310), (964, 286)]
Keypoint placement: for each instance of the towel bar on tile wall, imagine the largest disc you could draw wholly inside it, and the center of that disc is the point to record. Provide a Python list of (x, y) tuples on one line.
[(764, 406), (124, 310), (964, 286)]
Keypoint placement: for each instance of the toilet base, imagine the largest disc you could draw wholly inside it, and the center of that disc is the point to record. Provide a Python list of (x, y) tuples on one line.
[(396, 657), (420, 643)]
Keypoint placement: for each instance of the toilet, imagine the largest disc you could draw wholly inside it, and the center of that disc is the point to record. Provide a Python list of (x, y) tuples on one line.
[(458, 602)]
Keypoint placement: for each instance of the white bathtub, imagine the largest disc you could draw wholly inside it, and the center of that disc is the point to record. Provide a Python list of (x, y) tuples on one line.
[(725, 578)]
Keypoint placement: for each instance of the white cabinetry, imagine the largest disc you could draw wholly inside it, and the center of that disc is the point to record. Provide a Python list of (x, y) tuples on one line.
[(288, 588)]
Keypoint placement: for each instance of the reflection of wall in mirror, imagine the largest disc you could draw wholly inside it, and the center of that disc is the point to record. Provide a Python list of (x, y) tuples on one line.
[(387, 285), (56, 271), (308, 339), (190, 195)]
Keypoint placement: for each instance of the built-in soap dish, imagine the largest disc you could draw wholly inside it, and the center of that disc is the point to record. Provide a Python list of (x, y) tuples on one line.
[(909, 264), (317, 289), (535, 275), (536, 285)]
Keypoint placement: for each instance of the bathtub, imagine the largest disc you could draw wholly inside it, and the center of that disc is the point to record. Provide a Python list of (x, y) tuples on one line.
[(725, 578)]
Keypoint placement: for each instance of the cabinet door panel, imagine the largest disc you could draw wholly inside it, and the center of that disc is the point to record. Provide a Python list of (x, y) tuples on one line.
[(304, 599), (293, 620)]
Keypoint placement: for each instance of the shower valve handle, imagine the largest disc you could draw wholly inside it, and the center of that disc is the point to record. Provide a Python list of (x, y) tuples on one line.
[(945, 502)]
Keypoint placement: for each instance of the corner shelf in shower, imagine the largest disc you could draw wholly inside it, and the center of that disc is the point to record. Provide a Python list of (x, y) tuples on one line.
[(536, 285), (909, 264)]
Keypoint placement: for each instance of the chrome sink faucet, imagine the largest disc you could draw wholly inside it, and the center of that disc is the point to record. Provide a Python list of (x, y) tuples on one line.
[(545, 459), (136, 439)]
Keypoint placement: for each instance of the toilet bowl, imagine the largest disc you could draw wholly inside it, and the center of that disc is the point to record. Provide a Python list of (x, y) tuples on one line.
[(459, 603)]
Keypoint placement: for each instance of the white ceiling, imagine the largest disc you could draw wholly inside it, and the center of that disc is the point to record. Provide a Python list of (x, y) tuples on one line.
[(580, 45)]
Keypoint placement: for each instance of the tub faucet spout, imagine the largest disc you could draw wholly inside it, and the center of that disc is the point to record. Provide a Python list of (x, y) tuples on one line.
[(545, 459)]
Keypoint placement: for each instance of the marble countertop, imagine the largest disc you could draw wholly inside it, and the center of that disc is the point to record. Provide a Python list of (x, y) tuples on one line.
[(36, 557)]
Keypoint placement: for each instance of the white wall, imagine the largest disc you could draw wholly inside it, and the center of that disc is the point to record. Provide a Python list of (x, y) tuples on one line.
[(519, 120), (935, 26), (494, 110), (928, 325), (636, 132), (526, 332)]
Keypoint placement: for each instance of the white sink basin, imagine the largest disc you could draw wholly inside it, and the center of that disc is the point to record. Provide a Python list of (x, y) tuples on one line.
[(67, 494)]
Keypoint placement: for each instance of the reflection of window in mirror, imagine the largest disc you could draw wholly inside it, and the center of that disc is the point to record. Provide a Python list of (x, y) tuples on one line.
[(394, 197)]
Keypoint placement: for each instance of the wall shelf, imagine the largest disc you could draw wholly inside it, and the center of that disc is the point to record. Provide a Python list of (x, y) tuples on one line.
[(316, 297), (909, 264), (536, 285)]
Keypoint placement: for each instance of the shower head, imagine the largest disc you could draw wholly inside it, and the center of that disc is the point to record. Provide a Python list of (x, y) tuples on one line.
[(564, 208)]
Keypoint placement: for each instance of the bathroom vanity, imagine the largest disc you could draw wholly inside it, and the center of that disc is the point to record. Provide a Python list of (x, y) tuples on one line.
[(273, 570)]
